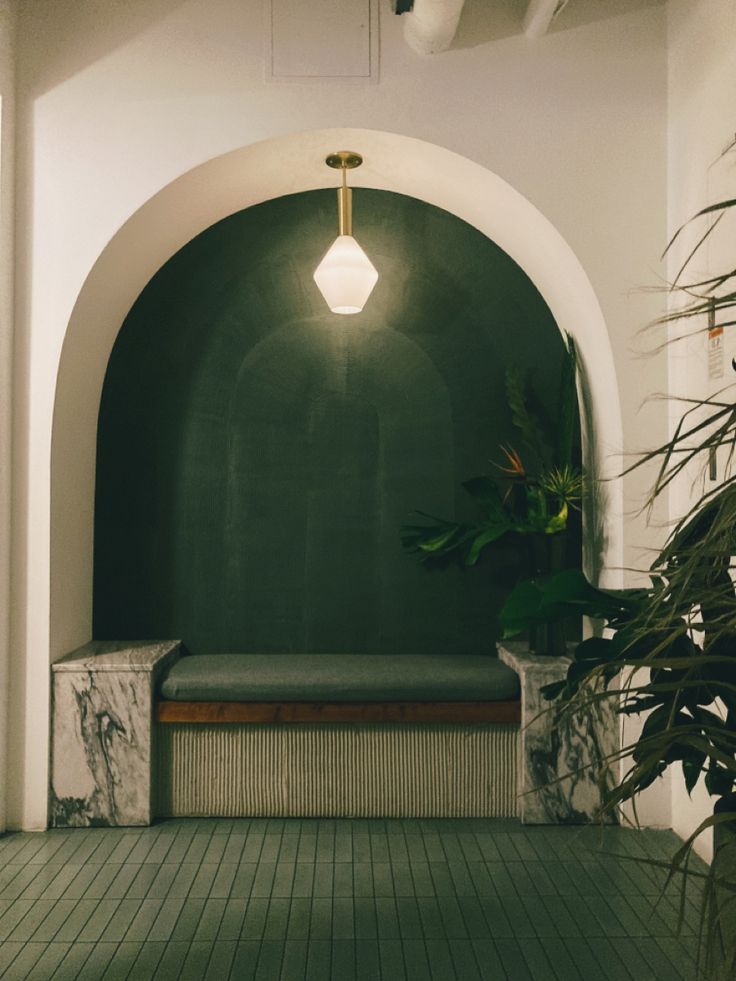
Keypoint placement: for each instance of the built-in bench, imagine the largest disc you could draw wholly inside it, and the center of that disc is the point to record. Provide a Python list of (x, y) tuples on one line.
[(140, 730), (338, 734)]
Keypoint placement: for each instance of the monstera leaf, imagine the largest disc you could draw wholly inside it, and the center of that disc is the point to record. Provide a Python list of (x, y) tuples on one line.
[(560, 595)]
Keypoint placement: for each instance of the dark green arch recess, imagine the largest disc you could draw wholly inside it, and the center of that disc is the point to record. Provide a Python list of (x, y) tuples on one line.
[(258, 454)]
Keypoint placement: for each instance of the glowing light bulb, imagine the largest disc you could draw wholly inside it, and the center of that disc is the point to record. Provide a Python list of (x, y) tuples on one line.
[(345, 276)]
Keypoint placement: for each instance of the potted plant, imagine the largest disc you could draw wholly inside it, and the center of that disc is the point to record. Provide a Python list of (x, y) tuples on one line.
[(527, 498), (668, 651)]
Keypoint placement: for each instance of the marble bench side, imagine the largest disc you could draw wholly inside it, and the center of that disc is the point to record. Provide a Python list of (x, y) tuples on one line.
[(561, 759), (103, 695)]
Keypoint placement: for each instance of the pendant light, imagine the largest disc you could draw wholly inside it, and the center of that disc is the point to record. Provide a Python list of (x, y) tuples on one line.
[(345, 276)]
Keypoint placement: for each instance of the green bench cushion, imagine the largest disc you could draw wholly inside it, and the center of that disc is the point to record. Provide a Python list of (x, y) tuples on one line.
[(340, 678)]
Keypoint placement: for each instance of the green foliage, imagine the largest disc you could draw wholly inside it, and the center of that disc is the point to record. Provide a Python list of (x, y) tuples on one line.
[(677, 679), (716, 293), (516, 501), (668, 651), (528, 415), (568, 409), (561, 595)]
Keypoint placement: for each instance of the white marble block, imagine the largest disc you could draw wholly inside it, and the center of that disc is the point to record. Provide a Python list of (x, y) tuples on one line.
[(102, 730), (561, 756)]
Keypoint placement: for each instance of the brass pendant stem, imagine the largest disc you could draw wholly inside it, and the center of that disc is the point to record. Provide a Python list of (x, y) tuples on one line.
[(344, 160), (344, 210)]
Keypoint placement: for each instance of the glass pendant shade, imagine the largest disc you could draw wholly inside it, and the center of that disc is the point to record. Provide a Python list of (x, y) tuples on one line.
[(345, 276)]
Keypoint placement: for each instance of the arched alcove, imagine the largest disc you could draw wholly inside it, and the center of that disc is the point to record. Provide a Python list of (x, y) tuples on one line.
[(61, 562), (257, 455)]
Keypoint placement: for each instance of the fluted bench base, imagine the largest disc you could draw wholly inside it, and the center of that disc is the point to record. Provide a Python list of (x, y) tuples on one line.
[(333, 769)]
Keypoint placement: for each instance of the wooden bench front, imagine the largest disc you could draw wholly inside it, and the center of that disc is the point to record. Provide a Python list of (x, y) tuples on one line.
[(170, 711)]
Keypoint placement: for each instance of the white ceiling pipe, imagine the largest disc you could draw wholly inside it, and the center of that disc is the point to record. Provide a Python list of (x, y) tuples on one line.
[(539, 16), (432, 24)]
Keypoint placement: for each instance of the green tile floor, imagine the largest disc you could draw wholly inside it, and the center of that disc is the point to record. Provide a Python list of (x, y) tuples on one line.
[(321, 899)]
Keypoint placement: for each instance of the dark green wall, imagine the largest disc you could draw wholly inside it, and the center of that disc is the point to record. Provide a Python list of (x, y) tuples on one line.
[(257, 454)]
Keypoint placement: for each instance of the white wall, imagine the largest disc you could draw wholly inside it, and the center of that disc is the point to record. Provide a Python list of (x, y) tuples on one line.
[(113, 108), (7, 228), (702, 122)]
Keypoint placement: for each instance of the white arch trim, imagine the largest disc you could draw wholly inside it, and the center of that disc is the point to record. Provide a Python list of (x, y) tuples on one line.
[(248, 176)]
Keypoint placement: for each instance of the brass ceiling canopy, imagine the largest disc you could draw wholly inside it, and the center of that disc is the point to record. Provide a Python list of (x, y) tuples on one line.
[(344, 160)]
